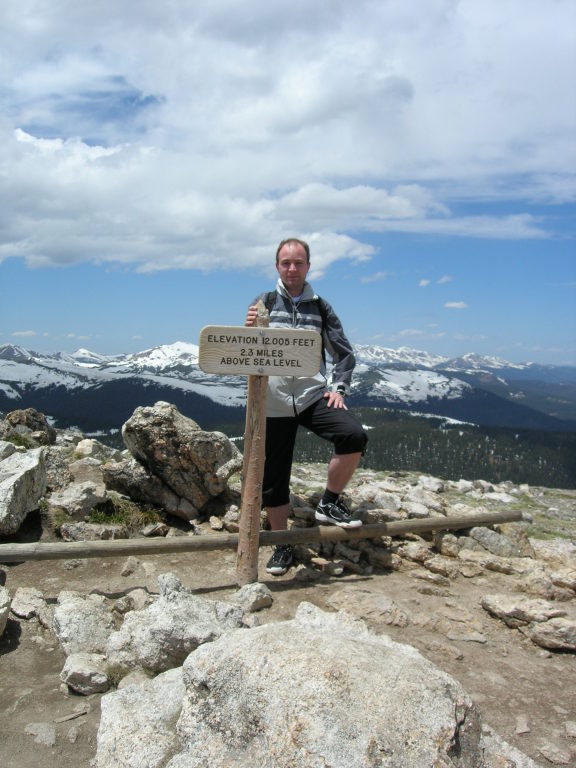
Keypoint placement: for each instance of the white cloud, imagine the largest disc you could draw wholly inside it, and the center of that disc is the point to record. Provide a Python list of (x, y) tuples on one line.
[(25, 333), (424, 335), (469, 337), (423, 283), (456, 305), (445, 279), (193, 136), (375, 278)]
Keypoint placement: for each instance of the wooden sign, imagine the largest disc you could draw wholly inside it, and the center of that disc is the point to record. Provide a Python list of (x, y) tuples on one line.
[(254, 351)]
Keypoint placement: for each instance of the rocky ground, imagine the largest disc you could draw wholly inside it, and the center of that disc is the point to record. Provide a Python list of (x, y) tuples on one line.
[(430, 600)]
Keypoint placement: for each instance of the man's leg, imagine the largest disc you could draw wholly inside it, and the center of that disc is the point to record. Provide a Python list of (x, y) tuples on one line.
[(349, 439), (278, 517), (280, 438), (340, 471)]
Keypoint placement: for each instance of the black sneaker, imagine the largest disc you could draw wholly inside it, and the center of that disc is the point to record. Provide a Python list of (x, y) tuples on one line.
[(336, 514), (282, 558)]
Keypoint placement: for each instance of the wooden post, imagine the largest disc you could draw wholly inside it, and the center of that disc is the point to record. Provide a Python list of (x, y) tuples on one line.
[(253, 471)]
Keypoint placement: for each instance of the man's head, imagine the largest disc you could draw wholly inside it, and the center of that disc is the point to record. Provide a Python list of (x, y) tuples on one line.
[(294, 241), (293, 263)]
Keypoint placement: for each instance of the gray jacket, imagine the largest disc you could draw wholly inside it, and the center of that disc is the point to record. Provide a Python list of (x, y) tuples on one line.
[(288, 395)]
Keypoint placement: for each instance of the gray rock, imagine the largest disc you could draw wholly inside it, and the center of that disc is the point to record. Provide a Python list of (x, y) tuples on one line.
[(555, 551), (433, 484), (154, 530), (81, 531), (130, 478), (85, 673), (44, 733), (232, 714), (90, 448), (558, 634), (517, 611), (87, 469), (499, 754), (82, 624), (77, 499), (375, 608), (416, 551), (33, 423), (4, 608), (22, 483), (448, 544), (498, 544), (416, 509), (27, 602), (6, 449), (421, 495), (555, 753), (193, 463), (253, 597), (138, 723), (163, 634)]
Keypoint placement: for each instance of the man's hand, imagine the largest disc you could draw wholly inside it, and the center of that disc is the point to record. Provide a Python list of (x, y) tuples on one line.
[(336, 400), (251, 315)]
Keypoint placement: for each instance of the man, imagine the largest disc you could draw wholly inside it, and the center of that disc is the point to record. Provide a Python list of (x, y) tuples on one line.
[(307, 401)]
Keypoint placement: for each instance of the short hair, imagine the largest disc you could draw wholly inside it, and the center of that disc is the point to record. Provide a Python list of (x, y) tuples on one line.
[(296, 241)]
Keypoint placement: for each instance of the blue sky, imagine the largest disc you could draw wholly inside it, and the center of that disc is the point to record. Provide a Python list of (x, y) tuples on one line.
[(153, 155)]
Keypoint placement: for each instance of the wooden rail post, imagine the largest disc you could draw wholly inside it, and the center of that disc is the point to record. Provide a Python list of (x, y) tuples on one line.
[(253, 471), (68, 550)]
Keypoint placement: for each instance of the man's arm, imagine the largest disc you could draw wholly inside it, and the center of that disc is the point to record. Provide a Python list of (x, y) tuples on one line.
[(340, 350)]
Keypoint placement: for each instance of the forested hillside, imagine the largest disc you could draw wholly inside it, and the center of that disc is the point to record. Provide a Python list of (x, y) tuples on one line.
[(398, 441)]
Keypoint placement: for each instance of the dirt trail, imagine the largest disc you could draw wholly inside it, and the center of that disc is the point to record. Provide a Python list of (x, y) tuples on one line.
[(525, 693)]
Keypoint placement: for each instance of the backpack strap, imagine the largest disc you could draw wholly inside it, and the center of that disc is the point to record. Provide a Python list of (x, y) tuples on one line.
[(269, 300)]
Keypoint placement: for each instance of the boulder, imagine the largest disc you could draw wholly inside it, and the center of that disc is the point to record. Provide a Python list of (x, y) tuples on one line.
[(433, 484), (558, 634), (85, 673), (253, 597), (30, 422), (81, 531), (4, 608), (82, 623), (517, 611), (163, 634), (78, 499), (501, 545), (138, 723), (6, 449), (22, 484), (193, 463), (88, 447), (27, 602), (130, 478), (326, 667), (223, 707)]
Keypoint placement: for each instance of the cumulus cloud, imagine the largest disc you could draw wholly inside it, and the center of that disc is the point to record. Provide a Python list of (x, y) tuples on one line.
[(192, 135)]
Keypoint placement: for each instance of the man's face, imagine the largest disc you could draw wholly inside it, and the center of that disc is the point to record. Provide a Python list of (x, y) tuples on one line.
[(293, 266)]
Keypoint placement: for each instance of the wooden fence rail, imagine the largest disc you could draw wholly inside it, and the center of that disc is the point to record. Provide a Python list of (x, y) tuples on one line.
[(14, 553)]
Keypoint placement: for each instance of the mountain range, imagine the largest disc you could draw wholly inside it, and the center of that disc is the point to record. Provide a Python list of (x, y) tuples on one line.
[(99, 392)]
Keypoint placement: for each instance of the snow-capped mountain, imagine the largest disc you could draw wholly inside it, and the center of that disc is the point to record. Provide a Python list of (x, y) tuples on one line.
[(404, 356), (104, 389)]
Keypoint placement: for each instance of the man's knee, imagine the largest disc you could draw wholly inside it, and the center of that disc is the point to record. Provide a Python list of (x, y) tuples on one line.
[(353, 441)]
